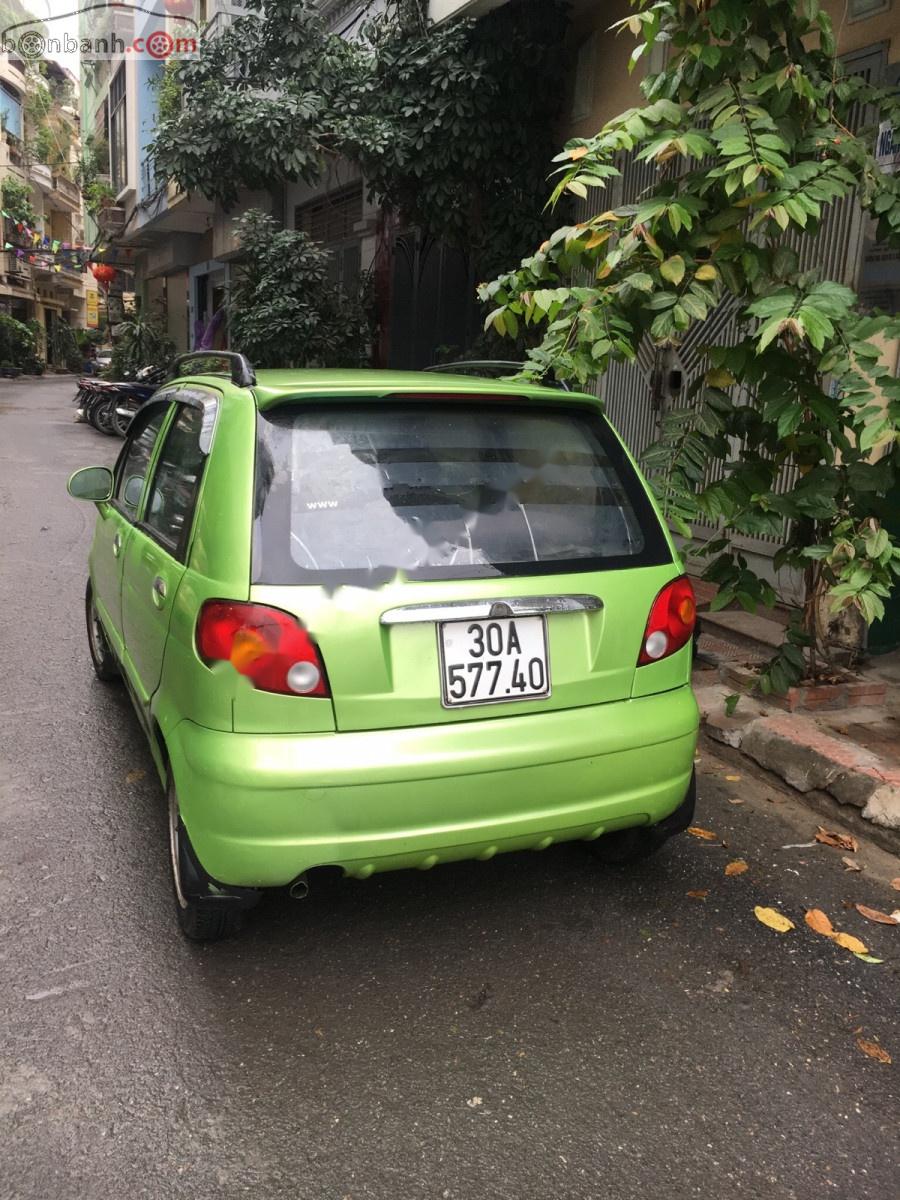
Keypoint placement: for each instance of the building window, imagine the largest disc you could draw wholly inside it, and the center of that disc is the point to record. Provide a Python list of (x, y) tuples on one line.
[(10, 109), (118, 142), (860, 9), (331, 220)]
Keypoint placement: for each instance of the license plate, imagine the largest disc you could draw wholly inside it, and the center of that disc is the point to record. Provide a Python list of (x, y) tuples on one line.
[(489, 662)]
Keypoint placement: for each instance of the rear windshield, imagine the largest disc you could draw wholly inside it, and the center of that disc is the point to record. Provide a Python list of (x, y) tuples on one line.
[(358, 492)]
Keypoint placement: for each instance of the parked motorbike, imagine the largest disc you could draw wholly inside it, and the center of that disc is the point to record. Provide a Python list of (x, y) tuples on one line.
[(109, 406)]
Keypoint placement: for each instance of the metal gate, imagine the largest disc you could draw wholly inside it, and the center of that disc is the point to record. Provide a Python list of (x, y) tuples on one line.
[(433, 311)]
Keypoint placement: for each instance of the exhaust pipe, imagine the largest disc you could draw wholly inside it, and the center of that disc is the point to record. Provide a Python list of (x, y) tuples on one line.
[(299, 889)]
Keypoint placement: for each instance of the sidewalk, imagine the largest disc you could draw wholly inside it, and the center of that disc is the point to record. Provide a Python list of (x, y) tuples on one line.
[(849, 757)]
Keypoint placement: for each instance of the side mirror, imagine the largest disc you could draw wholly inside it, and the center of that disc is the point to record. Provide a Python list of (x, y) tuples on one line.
[(91, 483)]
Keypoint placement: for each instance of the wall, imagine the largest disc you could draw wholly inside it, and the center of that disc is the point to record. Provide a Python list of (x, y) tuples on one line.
[(860, 34), (177, 310), (610, 89)]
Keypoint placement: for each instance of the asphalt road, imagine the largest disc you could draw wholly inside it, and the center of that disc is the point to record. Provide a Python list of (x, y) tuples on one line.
[(527, 1029)]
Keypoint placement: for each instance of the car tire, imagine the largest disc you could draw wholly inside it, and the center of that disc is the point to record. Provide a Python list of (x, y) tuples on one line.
[(624, 847), (105, 666), (207, 911)]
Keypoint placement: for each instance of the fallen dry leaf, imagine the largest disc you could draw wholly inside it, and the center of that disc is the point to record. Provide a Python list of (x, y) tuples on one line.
[(850, 864), (774, 919), (735, 800), (872, 914), (874, 1051), (733, 778), (706, 834), (819, 922), (849, 942), (843, 841), (895, 884), (738, 867), (699, 894), (135, 775), (869, 958)]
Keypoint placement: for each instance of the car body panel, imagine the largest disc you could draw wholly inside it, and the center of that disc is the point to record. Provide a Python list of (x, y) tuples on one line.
[(388, 676), (112, 532), (150, 581), (262, 809)]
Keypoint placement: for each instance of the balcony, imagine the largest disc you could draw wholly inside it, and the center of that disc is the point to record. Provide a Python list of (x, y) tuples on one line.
[(11, 156), (151, 180), (69, 277), (65, 194), (217, 25), (42, 177)]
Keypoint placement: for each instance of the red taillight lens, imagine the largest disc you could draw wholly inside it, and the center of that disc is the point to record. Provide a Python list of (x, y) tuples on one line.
[(267, 645), (672, 620)]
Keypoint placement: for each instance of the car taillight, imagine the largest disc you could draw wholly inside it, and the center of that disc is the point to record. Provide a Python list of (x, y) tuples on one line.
[(267, 645), (671, 623)]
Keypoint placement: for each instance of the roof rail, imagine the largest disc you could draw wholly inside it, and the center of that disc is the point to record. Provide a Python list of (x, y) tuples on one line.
[(242, 373)]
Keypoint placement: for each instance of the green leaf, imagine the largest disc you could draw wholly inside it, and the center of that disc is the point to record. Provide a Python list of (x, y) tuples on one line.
[(640, 280), (673, 269)]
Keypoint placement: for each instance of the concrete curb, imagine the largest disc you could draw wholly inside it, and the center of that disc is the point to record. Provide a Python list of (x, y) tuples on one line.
[(807, 758)]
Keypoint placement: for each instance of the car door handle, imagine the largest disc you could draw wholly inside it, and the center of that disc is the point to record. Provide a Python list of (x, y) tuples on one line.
[(159, 590), (117, 545)]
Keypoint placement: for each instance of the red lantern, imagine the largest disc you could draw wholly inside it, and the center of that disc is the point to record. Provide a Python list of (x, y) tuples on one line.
[(103, 273)]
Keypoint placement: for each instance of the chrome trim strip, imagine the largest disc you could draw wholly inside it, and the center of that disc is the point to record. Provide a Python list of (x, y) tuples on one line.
[(484, 610)]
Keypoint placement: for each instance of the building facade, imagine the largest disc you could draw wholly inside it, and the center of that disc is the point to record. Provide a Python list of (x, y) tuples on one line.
[(42, 279)]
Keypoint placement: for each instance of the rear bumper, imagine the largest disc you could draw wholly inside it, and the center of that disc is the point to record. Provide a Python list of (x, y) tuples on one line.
[(261, 809)]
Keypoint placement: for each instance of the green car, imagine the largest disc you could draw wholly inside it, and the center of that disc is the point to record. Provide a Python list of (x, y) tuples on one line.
[(373, 620)]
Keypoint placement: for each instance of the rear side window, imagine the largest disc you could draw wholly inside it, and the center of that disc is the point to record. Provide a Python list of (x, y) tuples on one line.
[(445, 491), (176, 482)]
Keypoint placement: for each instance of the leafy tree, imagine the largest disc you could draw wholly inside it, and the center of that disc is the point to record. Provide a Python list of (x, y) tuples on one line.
[(140, 341), (16, 197), (752, 129), (16, 342), (423, 110), (284, 310)]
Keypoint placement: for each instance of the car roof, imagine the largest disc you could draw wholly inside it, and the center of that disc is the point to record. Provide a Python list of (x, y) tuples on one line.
[(277, 387)]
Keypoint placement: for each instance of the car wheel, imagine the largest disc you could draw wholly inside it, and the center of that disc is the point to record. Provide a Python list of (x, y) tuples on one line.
[(207, 912), (105, 666), (626, 846)]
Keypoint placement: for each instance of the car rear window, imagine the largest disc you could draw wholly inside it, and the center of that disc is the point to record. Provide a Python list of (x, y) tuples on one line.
[(444, 490)]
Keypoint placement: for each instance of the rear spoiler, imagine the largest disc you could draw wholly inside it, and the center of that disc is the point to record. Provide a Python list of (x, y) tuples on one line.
[(242, 373)]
